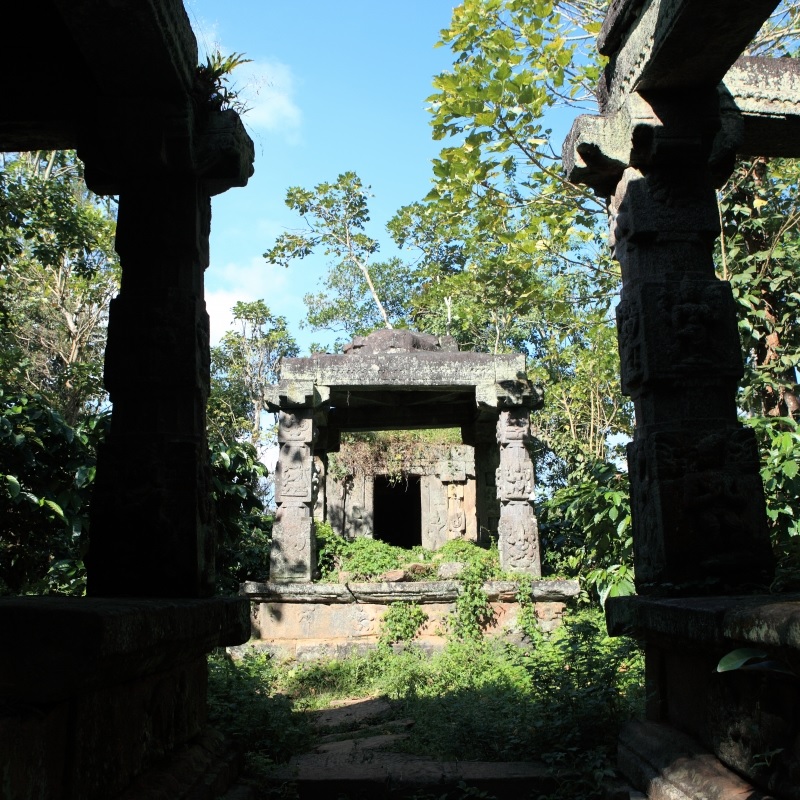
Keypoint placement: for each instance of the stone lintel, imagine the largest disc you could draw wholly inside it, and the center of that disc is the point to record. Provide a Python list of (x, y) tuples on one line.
[(674, 44), (402, 417), (388, 370), (94, 641), (767, 93), (162, 53), (413, 591), (771, 621)]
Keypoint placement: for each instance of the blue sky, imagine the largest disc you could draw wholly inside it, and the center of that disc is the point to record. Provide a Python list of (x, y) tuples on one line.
[(333, 87)]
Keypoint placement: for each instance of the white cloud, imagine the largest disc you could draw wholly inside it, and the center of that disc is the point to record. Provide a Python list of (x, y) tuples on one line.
[(255, 280), (266, 87), (267, 90)]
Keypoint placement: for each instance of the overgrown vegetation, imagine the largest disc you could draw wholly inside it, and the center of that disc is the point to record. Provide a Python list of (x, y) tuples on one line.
[(390, 453), (561, 699), (365, 558), (47, 469), (243, 525)]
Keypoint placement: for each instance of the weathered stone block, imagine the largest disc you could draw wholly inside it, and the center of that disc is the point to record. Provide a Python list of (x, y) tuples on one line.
[(292, 554), (519, 538), (514, 476), (296, 427), (293, 474), (33, 752), (697, 504), (677, 332)]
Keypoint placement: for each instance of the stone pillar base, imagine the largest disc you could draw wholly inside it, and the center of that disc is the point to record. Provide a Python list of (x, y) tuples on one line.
[(668, 765), (107, 698)]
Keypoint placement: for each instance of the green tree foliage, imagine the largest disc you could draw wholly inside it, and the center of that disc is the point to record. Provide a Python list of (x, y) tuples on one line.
[(511, 255), (243, 528), (525, 257), (586, 529), (758, 253), (46, 470), (58, 272), (358, 294), (245, 362)]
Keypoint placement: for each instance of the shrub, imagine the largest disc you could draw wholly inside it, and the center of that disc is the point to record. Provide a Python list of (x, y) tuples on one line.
[(47, 469), (401, 622)]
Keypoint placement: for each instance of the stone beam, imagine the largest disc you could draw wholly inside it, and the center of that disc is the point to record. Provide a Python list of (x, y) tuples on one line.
[(142, 63), (673, 44), (390, 370), (399, 417), (767, 95)]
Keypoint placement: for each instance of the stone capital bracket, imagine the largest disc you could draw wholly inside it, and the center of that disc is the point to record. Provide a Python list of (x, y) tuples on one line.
[(509, 394), (297, 394), (224, 153), (175, 140), (645, 133)]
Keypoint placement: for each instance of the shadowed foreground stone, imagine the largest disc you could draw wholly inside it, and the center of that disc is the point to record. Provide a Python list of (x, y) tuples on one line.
[(369, 773), (672, 766), (97, 694)]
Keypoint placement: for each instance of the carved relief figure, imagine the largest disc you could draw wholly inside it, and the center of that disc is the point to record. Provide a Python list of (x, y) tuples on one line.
[(456, 519), (295, 480), (294, 428), (515, 476)]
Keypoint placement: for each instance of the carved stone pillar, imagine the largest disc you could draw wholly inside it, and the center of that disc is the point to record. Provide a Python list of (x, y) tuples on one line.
[(487, 460), (517, 529), (321, 478), (697, 499), (293, 553), (151, 529)]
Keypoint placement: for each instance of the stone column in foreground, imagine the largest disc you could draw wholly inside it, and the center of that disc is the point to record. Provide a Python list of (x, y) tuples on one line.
[(152, 528)]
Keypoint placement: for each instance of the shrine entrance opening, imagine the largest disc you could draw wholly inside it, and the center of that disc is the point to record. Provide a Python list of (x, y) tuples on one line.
[(397, 507)]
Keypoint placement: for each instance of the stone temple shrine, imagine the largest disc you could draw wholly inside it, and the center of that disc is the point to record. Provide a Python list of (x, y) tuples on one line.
[(396, 380)]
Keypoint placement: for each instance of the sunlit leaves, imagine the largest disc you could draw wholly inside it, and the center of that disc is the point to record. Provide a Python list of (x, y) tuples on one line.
[(357, 294), (59, 271), (245, 362)]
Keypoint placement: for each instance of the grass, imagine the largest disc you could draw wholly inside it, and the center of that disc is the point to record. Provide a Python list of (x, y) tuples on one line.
[(561, 699)]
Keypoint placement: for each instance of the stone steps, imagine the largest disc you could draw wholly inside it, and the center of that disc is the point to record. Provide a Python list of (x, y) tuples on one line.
[(357, 756)]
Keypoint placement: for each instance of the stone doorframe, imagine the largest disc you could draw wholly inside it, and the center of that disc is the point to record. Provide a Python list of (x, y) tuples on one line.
[(396, 380)]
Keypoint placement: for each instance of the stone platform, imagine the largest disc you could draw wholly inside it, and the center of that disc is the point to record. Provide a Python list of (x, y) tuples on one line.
[(703, 723), (104, 698), (306, 621)]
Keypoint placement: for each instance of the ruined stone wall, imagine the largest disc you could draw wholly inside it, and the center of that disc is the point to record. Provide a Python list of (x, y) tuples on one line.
[(448, 495)]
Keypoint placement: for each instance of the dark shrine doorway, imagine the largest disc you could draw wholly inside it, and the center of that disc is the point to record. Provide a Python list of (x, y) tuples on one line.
[(397, 510)]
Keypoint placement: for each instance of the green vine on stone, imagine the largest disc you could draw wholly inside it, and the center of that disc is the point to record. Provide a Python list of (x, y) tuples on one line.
[(401, 623)]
